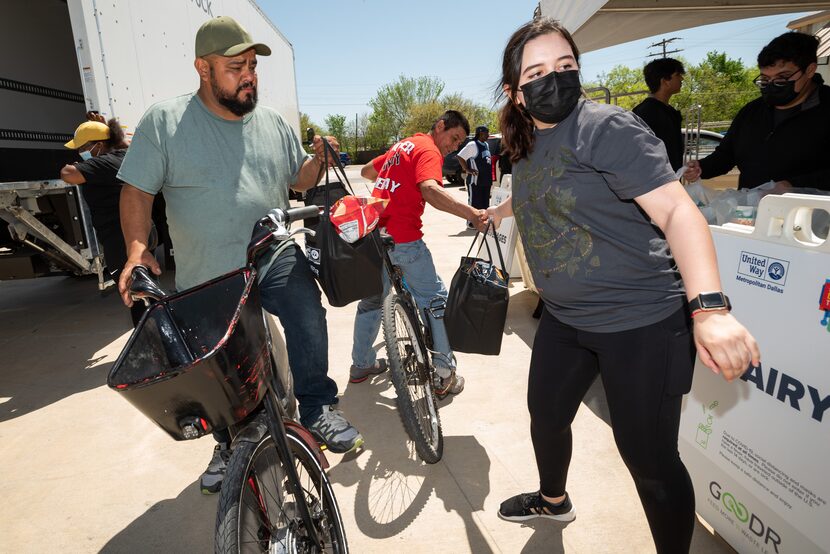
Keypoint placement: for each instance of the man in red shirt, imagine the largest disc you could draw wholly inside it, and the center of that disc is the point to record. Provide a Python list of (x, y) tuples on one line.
[(409, 175)]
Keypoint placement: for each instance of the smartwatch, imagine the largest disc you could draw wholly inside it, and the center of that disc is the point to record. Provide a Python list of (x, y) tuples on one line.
[(709, 302)]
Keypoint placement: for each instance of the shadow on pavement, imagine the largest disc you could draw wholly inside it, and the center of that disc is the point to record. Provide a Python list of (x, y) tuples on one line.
[(396, 485), (519, 311), (464, 232), (182, 524), (53, 331), (546, 537)]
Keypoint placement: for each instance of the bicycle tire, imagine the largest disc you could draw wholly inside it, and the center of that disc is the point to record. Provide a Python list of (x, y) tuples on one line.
[(415, 398), (257, 514)]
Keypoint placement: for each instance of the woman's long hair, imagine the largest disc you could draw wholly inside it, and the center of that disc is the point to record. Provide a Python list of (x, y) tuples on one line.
[(514, 121)]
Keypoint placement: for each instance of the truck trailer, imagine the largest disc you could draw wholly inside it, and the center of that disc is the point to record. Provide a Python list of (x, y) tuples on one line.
[(63, 58)]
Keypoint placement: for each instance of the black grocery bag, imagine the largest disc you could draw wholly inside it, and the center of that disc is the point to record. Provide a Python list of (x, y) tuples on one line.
[(345, 271), (477, 304)]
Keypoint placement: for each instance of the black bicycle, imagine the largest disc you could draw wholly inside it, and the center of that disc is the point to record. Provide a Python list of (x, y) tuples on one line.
[(408, 338), (203, 359)]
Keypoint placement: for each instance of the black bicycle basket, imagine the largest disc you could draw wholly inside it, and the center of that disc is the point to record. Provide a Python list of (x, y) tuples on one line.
[(200, 355)]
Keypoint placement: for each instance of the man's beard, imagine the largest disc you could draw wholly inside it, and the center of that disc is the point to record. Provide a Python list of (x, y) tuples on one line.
[(231, 101)]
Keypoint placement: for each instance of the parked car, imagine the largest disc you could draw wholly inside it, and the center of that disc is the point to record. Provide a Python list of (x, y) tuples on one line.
[(709, 140), (345, 159), (452, 168)]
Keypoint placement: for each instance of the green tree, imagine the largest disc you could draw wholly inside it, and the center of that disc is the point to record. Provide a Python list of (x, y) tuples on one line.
[(719, 85), (336, 124), (356, 133), (305, 123), (422, 116), (392, 103), (379, 132), (476, 114), (622, 81)]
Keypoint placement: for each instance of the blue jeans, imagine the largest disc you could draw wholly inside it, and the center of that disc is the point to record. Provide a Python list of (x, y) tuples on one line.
[(289, 291), (415, 261)]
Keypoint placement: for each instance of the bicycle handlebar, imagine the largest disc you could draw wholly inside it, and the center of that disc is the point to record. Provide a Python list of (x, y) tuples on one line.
[(306, 212)]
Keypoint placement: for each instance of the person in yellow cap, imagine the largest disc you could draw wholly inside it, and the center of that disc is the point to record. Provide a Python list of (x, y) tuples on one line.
[(222, 162), (102, 147)]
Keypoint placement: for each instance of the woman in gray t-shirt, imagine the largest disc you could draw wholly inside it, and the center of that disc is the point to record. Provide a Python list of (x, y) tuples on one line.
[(598, 206)]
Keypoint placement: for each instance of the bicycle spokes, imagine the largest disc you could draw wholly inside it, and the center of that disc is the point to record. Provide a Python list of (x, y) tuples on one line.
[(411, 374)]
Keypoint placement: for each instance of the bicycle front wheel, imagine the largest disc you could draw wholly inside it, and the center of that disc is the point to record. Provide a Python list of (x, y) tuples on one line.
[(408, 363), (257, 513)]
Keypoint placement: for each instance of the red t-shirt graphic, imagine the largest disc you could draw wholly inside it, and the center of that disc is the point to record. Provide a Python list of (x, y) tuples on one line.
[(411, 161)]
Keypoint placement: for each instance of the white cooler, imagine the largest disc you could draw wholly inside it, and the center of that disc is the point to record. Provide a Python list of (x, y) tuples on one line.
[(758, 449)]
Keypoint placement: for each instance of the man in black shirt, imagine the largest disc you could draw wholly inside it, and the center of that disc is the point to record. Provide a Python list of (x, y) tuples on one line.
[(784, 136), (664, 78)]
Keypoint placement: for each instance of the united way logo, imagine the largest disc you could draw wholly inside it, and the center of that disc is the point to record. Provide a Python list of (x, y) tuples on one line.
[(762, 267), (776, 271)]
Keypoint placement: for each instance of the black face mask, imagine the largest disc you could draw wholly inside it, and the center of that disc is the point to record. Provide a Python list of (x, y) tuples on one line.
[(552, 98), (775, 95)]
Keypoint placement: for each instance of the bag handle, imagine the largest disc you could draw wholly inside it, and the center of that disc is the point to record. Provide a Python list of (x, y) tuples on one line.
[(342, 173), (338, 168), (490, 225)]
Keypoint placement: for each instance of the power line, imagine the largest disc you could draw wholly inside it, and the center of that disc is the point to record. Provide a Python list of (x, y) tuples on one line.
[(662, 44)]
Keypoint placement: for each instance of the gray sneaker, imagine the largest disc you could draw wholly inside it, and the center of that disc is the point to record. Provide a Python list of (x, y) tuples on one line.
[(211, 480), (360, 374), (334, 431), (444, 386)]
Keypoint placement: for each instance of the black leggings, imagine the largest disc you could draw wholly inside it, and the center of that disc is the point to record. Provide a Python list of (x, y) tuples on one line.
[(645, 372)]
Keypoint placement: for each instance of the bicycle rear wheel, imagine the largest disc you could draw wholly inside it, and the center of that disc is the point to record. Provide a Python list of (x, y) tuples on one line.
[(256, 511), (412, 379)]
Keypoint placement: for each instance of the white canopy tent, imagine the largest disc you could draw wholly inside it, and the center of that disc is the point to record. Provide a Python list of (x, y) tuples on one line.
[(598, 24)]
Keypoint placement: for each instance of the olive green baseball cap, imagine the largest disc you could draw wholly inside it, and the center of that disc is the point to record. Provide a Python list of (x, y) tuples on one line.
[(224, 36)]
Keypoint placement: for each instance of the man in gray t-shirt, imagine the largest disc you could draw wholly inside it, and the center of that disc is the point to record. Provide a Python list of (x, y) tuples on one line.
[(598, 263), (222, 163)]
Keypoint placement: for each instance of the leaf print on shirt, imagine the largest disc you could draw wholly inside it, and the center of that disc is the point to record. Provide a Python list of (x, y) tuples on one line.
[(549, 232)]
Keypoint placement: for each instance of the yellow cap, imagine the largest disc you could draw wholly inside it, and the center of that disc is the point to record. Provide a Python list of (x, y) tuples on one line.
[(87, 131)]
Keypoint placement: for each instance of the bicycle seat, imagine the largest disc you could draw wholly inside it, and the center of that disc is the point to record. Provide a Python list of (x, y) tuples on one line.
[(387, 241), (143, 286)]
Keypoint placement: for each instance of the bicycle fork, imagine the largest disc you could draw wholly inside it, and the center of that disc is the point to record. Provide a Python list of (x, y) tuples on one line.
[(277, 429)]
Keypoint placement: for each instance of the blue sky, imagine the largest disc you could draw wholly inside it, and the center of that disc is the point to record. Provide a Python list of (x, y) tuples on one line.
[(346, 51)]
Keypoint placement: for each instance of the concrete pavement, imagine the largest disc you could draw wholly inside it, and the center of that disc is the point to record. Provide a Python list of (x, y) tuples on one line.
[(83, 471)]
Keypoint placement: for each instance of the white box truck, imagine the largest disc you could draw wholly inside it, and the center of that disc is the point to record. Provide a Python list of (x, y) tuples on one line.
[(62, 58)]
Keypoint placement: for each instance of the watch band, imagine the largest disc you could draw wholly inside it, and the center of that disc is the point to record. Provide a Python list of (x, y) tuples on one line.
[(709, 302)]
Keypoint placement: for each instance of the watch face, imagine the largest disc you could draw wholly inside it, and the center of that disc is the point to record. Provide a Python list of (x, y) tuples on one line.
[(709, 300)]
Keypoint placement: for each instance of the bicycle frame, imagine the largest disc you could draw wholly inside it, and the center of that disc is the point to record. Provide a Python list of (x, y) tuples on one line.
[(276, 223), (422, 332), (268, 231)]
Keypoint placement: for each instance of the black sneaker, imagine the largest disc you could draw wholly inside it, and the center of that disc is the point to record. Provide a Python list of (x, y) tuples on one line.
[(523, 507), (211, 480)]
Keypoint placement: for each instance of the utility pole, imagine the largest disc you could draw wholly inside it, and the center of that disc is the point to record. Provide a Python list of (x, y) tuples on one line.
[(355, 135), (662, 44)]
